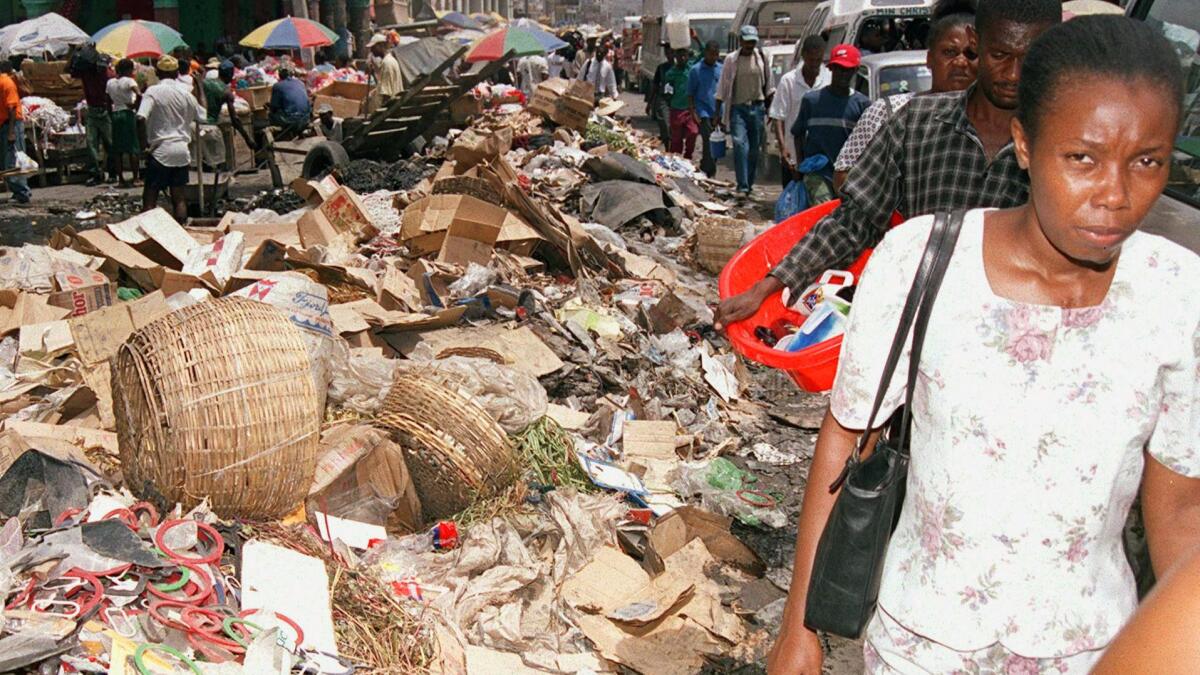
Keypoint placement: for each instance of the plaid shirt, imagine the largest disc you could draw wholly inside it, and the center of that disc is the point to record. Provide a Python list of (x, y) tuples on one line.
[(928, 158)]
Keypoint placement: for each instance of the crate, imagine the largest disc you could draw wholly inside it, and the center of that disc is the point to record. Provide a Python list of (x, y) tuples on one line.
[(259, 98)]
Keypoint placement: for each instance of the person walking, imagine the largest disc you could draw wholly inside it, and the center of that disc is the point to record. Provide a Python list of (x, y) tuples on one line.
[(90, 67), (809, 74), (942, 152), (702, 97), (387, 68), (532, 70), (827, 115), (12, 132), (953, 62), (599, 72), (656, 98), (123, 92), (1034, 430), (170, 113), (745, 90), (683, 123)]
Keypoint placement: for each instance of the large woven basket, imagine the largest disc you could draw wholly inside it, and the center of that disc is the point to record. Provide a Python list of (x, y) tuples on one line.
[(455, 451), (717, 239), (216, 401)]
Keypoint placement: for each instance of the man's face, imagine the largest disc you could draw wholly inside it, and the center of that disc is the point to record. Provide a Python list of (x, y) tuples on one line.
[(748, 46), (811, 58), (681, 57), (842, 76), (327, 117), (1002, 50), (711, 55), (378, 49)]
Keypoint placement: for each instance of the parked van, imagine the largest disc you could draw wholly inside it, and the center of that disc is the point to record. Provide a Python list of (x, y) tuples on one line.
[(905, 23), (777, 21)]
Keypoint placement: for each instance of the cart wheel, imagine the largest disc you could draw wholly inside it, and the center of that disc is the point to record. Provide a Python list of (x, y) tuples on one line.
[(323, 157)]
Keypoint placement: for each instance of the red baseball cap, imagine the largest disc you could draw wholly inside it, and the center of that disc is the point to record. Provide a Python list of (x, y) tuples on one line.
[(846, 56)]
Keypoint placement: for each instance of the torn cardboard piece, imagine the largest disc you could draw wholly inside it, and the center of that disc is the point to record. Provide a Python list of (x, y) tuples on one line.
[(18, 308), (98, 335), (361, 475), (156, 235), (677, 529)]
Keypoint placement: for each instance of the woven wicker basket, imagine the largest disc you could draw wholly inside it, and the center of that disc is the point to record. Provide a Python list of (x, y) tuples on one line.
[(717, 239), (216, 400), (455, 451)]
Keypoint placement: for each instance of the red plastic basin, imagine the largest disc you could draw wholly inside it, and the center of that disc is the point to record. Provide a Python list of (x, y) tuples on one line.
[(813, 368)]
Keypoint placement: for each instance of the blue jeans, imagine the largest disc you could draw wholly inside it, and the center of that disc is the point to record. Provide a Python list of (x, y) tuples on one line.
[(18, 186), (746, 125)]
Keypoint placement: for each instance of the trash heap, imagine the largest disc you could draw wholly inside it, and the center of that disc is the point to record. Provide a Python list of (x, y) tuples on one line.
[(475, 419)]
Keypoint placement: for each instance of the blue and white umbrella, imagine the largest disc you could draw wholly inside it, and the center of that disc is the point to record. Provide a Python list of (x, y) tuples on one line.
[(49, 33)]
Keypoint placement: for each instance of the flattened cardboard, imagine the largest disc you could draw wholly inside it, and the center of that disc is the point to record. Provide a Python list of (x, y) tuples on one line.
[(18, 308), (156, 234), (673, 531), (287, 234), (397, 291), (98, 335), (469, 241), (346, 319), (653, 439), (521, 347)]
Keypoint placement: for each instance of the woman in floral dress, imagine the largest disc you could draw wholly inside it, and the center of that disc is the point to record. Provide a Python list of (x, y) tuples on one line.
[(1060, 373)]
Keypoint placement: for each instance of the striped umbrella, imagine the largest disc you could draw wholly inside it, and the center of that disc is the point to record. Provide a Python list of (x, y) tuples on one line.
[(136, 38), (521, 41), (289, 33)]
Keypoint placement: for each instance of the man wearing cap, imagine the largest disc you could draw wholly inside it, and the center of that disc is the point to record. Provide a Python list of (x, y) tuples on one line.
[(808, 75), (330, 126), (290, 107), (745, 90), (828, 115), (169, 111), (387, 71)]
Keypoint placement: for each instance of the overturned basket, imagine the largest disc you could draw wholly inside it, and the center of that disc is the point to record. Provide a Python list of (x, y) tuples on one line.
[(455, 451), (216, 401), (717, 239)]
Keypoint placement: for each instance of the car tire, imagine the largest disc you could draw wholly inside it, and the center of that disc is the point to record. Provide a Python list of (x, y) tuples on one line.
[(323, 158)]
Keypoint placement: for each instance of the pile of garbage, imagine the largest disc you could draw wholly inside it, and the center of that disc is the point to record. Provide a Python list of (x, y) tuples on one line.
[(474, 420)]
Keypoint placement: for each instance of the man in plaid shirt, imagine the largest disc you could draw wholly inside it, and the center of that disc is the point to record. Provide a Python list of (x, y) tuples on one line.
[(942, 152)]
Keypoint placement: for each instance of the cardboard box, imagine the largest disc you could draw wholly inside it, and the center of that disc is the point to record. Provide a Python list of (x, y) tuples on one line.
[(464, 108), (573, 112), (314, 192), (343, 108), (81, 299), (259, 98), (343, 213), (157, 235), (473, 147), (426, 221), (545, 97)]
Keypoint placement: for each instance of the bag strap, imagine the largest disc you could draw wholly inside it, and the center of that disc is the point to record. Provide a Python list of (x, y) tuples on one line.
[(936, 275), (936, 254)]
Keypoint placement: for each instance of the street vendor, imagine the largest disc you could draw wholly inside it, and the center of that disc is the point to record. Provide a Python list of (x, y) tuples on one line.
[(290, 107), (218, 93), (169, 111), (966, 135), (329, 126), (91, 68), (387, 68)]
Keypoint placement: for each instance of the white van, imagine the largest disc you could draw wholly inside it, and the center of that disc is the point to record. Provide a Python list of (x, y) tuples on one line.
[(777, 21), (905, 23), (710, 24)]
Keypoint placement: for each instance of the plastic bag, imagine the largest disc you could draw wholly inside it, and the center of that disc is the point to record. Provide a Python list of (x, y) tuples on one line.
[(729, 491), (513, 398), (361, 380), (25, 162), (475, 281), (792, 200)]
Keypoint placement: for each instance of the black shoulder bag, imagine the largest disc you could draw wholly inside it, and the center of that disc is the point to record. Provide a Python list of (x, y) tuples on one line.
[(848, 565)]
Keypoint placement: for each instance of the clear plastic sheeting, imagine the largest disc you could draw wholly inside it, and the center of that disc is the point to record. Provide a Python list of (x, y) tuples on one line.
[(513, 398), (360, 380)]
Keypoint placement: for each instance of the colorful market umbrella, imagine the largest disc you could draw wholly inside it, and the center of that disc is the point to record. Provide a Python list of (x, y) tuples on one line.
[(289, 33), (459, 20), (520, 41), (136, 38)]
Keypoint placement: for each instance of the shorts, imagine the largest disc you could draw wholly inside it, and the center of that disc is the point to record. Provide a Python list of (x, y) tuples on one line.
[(159, 177)]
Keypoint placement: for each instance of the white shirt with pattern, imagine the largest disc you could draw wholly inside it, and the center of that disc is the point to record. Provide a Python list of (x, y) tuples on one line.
[(1029, 424), (873, 118)]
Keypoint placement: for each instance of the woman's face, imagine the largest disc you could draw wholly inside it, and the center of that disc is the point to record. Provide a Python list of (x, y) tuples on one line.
[(953, 60), (1098, 163)]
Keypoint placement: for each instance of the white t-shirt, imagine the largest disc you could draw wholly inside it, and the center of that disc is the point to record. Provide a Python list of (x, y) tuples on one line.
[(1029, 430), (171, 113), (786, 104), (123, 92)]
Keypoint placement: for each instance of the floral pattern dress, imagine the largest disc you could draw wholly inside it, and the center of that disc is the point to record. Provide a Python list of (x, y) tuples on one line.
[(1029, 425)]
